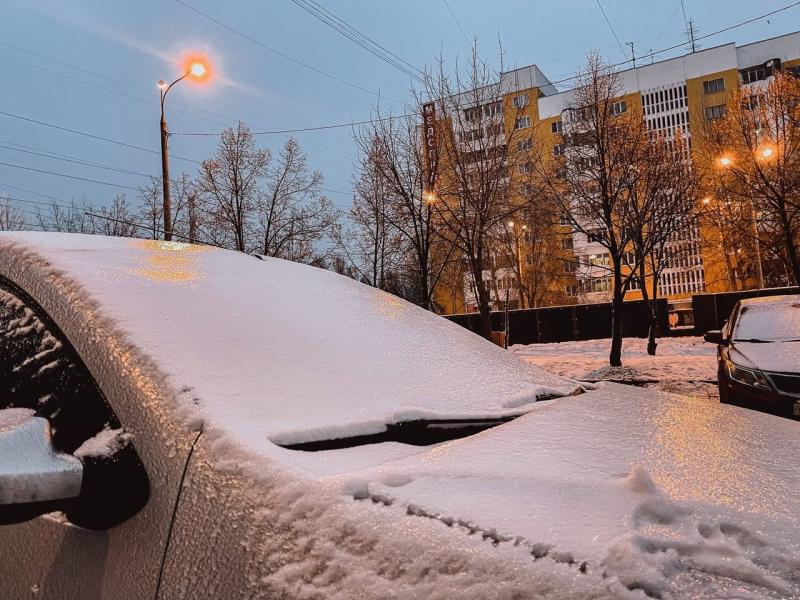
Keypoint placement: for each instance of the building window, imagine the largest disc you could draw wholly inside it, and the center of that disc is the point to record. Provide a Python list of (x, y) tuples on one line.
[(472, 114), (715, 112), (565, 219), (527, 191), (593, 236), (524, 144), (528, 260), (566, 243), (569, 266), (619, 107), (558, 150), (525, 168), (521, 101), (760, 72), (713, 86), (557, 127), (493, 109), (571, 290), (522, 123)]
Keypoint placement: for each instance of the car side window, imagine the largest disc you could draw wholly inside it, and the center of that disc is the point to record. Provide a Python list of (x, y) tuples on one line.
[(40, 370)]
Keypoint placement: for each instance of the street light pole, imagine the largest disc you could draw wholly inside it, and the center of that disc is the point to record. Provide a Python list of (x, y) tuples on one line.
[(198, 70), (165, 181)]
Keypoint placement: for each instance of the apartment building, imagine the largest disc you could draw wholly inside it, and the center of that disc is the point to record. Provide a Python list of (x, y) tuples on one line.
[(675, 97)]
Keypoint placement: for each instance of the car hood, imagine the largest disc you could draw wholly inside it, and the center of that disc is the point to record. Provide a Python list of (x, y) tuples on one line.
[(656, 489), (779, 357)]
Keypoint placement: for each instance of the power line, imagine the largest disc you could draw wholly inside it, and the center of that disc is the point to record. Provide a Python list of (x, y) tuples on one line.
[(611, 27), (461, 29), (93, 136), (359, 38), (702, 37), (108, 183), (261, 44), (304, 129), (319, 147), (69, 159)]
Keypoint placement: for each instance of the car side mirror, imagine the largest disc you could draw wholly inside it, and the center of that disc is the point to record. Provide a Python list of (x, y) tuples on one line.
[(714, 337), (34, 478)]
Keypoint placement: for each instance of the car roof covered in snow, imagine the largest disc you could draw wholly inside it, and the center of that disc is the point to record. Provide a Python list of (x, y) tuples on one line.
[(275, 350), (784, 299)]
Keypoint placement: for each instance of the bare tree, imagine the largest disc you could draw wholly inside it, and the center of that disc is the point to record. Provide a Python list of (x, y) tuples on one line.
[(230, 184), (391, 150), (754, 153), (293, 214), (591, 181), (11, 217), (185, 215), (662, 214), (370, 241), (473, 190)]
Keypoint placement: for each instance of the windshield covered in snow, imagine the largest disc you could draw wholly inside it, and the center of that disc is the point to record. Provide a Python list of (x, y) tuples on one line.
[(768, 323)]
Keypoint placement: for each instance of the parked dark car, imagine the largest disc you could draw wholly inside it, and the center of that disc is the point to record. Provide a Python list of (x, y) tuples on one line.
[(759, 355)]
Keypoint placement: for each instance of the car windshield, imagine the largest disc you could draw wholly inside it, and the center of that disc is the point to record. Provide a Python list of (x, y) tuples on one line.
[(768, 323)]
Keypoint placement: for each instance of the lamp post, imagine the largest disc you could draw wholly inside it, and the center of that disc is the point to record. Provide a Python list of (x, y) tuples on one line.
[(198, 70)]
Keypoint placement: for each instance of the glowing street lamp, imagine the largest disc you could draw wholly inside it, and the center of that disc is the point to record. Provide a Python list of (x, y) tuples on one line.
[(767, 152), (724, 161), (197, 68), (429, 197)]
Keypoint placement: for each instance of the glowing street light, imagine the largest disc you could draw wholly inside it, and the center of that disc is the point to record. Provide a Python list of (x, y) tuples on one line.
[(766, 152), (197, 68), (707, 200), (725, 161), (429, 197)]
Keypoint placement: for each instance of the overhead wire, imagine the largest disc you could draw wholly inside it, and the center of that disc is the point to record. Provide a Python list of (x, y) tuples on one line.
[(261, 44)]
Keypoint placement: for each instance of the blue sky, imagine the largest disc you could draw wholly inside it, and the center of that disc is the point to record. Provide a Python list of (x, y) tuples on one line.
[(125, 47)]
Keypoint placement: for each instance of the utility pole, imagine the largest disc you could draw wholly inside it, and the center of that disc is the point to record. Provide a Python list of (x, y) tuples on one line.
[(690, 32)]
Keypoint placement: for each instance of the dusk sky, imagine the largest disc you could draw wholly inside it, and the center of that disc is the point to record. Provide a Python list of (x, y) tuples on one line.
[(92, 66)]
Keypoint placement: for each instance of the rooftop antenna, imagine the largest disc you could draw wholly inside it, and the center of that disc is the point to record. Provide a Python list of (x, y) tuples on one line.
[(690, 33), (633, 54), (689, 28)]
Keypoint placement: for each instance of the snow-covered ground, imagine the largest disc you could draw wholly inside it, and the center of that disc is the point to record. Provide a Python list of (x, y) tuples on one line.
[(682, 365)]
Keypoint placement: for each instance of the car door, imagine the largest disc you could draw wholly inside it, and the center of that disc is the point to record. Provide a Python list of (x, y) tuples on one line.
[(111, 540)]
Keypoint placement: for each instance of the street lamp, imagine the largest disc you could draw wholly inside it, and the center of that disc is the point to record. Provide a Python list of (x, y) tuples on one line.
[(429, 197), (725, 161), (198, 69)]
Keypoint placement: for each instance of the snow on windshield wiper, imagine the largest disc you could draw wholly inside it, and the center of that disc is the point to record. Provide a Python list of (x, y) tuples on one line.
[(753, 340)]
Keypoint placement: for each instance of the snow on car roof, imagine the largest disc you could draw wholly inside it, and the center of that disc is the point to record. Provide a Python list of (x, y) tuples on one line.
[(786, 299), (274, 350)]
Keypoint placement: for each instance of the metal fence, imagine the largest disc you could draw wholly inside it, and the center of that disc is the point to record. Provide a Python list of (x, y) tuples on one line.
[(712, 310), (569, 323)]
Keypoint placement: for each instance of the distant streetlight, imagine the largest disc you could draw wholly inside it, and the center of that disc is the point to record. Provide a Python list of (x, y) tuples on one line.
[(197, 68), (724, 161), (429, 197), (707, 200), (766, 152)]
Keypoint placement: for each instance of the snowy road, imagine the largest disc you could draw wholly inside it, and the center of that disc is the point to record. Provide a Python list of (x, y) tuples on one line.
[(684, 365)]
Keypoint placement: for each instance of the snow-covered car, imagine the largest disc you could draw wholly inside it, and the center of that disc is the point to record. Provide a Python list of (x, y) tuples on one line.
[(758, 355), (185, 422)]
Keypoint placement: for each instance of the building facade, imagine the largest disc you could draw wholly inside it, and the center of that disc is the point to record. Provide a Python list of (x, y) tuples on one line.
[(676, 97)]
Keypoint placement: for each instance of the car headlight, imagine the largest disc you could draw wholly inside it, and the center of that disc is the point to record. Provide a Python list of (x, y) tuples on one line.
[(751, 377)]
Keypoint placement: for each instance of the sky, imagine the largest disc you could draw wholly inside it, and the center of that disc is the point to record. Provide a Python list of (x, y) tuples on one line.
[(92, 66)]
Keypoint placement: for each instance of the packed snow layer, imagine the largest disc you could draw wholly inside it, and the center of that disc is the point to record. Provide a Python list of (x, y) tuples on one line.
[(274, 350), (30, 468), (684, 365), (105, 444), (675, 496)]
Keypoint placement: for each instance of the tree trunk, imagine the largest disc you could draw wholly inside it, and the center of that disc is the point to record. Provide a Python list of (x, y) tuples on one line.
[(791, 248), (650, 307), (615, 356), (483, 303)]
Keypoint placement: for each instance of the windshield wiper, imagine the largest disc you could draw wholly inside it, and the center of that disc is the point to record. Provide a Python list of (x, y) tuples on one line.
[(753, 341)]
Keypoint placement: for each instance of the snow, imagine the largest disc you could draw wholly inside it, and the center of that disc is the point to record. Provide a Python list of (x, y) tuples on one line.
[(585, 496), (105, 444), (30, 469), (696, 497), (303, 350), (685, 365)]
